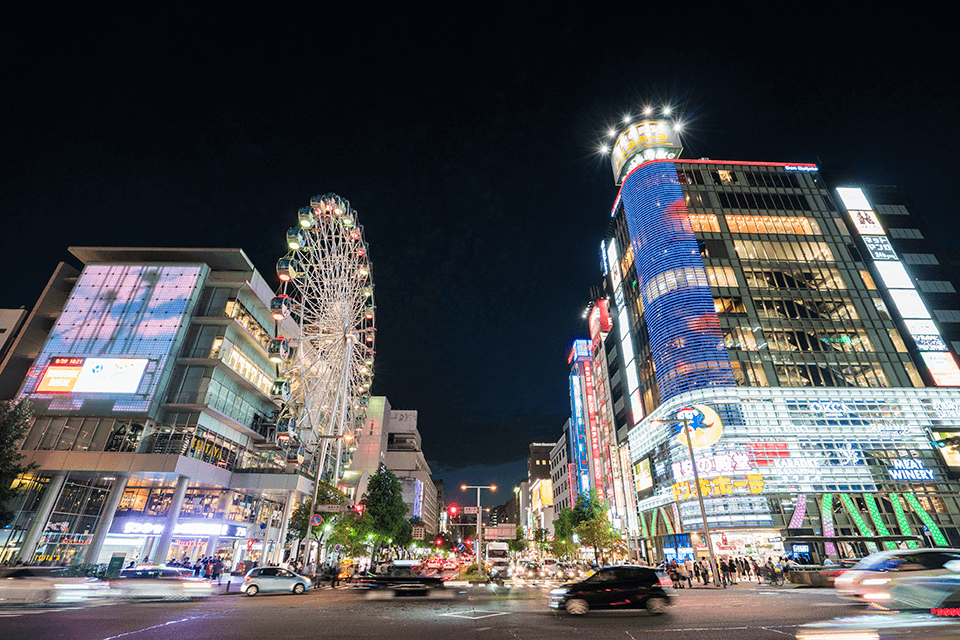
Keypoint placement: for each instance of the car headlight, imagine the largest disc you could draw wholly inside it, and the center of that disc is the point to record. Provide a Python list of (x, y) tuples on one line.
[(558, 592), (875, 581)]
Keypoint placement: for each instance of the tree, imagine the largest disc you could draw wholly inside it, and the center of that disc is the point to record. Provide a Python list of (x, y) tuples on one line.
[(384, 513), (540, 539), (520, 544), (15, 417), (300, 518), (598, 533), (562, 547)]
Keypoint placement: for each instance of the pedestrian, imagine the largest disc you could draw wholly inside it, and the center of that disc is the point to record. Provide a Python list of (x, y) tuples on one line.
[(217, 569), (696, 572), (335, 575)]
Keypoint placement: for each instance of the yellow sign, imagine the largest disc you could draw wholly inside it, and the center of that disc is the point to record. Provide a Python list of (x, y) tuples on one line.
[(722, 486), (703, 423)]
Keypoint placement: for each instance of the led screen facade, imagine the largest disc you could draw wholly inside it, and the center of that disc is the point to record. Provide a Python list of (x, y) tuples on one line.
[(110, 347), (681, 320)]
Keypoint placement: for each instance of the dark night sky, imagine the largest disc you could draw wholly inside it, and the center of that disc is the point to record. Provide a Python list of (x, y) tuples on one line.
[(466, 140)]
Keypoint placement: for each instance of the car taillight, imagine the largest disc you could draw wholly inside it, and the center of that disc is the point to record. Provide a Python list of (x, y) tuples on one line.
[(246, 579), (665, 581)]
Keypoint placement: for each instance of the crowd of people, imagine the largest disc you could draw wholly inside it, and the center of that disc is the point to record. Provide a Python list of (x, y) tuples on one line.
[(731, 570)]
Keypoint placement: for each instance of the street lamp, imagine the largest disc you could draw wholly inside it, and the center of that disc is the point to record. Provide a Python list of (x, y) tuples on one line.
[(492, 487), (683, 419)]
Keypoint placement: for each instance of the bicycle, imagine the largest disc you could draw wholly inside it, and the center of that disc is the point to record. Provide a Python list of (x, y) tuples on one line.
[(772, 577)]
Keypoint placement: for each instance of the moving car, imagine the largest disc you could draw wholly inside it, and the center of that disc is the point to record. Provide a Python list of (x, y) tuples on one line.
[(870, 579), (48, 585), (926, 607), (400, 579), (160, 582), (274, 580), (450, 564), (620, 587)]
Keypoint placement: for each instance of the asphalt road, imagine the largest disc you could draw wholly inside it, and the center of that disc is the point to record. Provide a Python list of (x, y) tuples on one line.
[(743, 612)]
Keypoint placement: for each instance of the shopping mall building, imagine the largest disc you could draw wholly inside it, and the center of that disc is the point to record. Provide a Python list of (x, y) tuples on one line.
[(153, 436), (804, 329)]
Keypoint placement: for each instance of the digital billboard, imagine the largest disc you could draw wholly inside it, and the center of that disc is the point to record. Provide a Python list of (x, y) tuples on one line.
[(109, 350), (909, 304), (943, 368), (866, 223), (637, 139), (642, 475), (894, 276), (92, 375)]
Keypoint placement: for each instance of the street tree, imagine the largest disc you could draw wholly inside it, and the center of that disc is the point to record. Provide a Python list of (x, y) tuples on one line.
[(15, 416), (520, 544), (300, 518), (598, 534), (384, 517)]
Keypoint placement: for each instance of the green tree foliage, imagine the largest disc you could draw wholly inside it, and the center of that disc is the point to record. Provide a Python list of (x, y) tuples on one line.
[(520, 544), (15, 418), (598, 533), (385, 512), (562, 547), (348, 531), (300, 518)]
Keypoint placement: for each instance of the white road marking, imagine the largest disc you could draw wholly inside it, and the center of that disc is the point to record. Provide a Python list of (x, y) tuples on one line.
[(470, 615)]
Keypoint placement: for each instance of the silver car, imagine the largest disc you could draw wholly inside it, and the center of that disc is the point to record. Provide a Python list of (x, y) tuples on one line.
[(273, 579), (47, 586), (871, 579)]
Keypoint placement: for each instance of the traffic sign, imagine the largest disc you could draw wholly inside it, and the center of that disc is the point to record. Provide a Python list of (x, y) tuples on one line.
[(333, 508), (316, 520), (470, 509)]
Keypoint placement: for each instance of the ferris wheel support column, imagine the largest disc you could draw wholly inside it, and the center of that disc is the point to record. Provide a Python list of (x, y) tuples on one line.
[(335, 432)]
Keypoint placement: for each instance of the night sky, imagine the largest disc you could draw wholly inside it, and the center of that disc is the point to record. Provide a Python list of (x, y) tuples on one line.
[(466, 138)]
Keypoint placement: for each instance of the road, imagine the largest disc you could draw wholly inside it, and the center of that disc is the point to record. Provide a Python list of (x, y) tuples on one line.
[(743, 612)]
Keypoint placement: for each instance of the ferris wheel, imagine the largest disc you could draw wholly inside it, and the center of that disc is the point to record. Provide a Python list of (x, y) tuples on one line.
[(326, 363)]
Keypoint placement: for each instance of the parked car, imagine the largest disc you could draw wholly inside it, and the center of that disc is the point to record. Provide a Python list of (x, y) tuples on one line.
[(619, 587), (160, 582), (48, 585), (870, 579), (274, 580)]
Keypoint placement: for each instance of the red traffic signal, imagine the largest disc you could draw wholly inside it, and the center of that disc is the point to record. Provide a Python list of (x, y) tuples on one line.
[(453, 510), (358, 509), (439, 541)]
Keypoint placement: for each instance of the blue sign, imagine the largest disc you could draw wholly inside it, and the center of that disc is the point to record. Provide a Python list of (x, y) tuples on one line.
[(316, 520)]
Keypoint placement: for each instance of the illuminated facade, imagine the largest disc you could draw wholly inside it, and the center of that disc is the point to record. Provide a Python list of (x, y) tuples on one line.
[(752, 291), (154, 433)]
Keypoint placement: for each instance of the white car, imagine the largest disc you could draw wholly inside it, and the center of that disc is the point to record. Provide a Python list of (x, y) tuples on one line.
[(871, 579), (160, 582), (48, 586)]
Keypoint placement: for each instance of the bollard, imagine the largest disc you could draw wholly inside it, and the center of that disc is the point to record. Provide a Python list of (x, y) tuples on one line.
[(228, 586)]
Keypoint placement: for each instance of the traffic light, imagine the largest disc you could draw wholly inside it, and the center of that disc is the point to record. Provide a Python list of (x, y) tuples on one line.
[(453, 510), (358, 509), (439, 541)]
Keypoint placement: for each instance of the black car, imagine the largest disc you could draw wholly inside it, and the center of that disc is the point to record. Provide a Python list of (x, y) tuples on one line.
[(621, 587)]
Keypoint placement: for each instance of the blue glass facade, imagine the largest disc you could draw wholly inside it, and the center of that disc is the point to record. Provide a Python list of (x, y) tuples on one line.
[(685, 339)]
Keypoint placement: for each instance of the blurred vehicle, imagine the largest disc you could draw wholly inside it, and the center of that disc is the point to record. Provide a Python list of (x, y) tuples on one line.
[(620, 587), (160, 582), (528, 569), (401, 580), (274, 580), (500, 570), (48, 585), (926, 607), (435, 564), (870, 579), (549, 568), (450, 564)]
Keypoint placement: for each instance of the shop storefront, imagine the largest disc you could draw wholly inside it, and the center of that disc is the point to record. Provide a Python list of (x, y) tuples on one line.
[(774, 463)]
